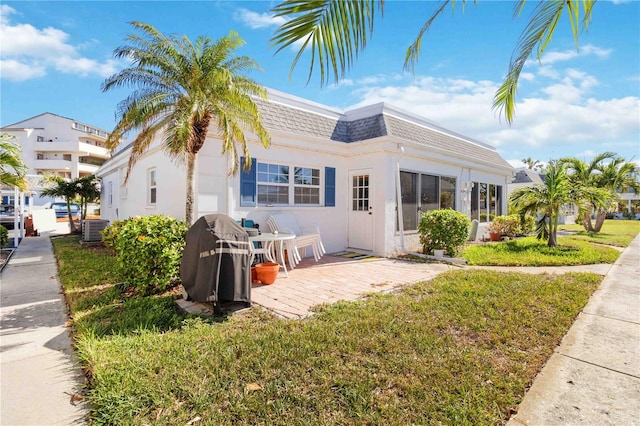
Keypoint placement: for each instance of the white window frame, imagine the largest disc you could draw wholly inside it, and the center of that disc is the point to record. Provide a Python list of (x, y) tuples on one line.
[(152, 186), (291, 185)]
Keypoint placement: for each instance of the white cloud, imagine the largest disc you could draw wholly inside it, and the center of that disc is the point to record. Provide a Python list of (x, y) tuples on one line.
[(258, 20), (566, 55), (29, 52), (561, 120)]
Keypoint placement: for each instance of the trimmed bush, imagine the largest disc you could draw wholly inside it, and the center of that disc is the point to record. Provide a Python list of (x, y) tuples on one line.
[(4, 236), (443, 229), (527, 224), (149, 250), (110, 234), (509, 225)]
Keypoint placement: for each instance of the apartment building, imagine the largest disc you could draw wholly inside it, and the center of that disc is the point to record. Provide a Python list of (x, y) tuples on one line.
[(52, 144)]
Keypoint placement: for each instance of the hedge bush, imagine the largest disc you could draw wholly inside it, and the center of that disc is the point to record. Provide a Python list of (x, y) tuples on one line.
[(4, 236), (110, 234), (509, 225), (149, 250), (443, 229)]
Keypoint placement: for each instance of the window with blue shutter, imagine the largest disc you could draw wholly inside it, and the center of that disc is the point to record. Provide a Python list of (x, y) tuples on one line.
[(330, 186), (248, 184)]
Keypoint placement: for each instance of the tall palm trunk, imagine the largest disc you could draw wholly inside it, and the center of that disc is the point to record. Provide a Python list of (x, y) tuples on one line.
[(188, 212), (553, 230), (198, 136)]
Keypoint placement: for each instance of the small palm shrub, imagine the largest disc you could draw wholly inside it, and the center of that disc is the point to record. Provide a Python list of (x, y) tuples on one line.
[(443, 229), (149, 250), (509, 225), (4, 236), (110, 234)]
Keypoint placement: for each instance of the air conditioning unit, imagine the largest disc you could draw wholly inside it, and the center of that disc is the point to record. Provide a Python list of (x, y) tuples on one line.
[(91, 229)]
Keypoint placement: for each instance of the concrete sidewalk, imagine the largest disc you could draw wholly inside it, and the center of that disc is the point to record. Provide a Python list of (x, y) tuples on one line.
[(593, 377), (39, 374)]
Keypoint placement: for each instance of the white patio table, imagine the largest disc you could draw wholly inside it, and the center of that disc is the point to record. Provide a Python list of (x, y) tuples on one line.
[(272, 246)]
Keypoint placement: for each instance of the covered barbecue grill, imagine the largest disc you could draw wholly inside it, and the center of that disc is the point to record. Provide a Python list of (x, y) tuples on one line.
[(216, 264)]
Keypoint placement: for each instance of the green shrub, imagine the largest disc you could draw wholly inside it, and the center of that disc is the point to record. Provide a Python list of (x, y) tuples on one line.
[(527, 223), (110, 234), (509, 225), (4, 236), (485, 218), (149, 250), (443, 229)]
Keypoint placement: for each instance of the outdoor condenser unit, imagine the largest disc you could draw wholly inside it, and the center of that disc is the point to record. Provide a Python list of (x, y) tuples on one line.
[(91, 229)]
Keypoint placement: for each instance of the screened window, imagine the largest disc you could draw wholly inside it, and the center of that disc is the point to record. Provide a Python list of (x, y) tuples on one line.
[(423, 192)]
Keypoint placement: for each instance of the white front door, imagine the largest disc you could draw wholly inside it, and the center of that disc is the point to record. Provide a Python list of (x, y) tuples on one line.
[(360, 210)]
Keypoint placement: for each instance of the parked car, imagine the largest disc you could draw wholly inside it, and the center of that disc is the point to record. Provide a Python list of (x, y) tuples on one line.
[(61, 210)]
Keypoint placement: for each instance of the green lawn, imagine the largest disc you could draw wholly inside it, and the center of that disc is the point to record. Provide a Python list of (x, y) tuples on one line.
[(579, 248), (614, 232), (460, 349)]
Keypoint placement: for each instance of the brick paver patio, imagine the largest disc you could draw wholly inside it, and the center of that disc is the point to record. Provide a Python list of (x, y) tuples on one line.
[(336, 278)]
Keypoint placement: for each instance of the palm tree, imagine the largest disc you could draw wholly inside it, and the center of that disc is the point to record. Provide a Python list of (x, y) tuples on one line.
[(336, 30), (615, 176), (88, 190), (545, 201), (60, 187), (607, 172), (13, 171), (531, 164), (181, 88)]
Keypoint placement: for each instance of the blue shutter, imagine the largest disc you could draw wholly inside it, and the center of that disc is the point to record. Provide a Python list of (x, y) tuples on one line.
[(5, 199), (330, 186), (248, 180)]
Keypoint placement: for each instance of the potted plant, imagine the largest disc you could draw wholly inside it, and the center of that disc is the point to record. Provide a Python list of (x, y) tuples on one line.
[(495, 231)]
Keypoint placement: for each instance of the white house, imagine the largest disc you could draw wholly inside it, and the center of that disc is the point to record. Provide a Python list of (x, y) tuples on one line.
[(339, 170), (52, 144)]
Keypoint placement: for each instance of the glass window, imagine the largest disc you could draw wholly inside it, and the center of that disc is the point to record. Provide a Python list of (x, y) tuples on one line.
[(409, 191), (421, 193), (152, 186), (429, 193), (276, 185), (475, 200)]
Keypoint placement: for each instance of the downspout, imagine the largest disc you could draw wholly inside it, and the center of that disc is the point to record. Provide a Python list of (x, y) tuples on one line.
[(403, 248)]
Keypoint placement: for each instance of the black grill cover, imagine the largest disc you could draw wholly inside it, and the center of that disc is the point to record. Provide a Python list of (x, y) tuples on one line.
[(216, 264)]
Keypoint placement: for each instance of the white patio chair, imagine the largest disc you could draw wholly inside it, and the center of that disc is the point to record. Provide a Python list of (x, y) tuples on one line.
[(307, 236)]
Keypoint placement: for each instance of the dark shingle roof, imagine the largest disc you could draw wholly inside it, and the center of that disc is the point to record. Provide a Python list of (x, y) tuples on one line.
[(337, 127)]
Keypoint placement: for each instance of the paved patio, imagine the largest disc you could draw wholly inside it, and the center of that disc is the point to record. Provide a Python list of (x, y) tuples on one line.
[(336, 278)]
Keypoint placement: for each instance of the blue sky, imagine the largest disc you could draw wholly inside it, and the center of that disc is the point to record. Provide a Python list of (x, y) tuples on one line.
[(55, 55)]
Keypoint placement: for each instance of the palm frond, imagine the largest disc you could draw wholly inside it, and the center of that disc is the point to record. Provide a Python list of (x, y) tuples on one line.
[(334, 30)]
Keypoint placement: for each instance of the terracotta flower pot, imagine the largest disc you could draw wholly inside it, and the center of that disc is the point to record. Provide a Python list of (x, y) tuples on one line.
[(494, 236), (267, 272)]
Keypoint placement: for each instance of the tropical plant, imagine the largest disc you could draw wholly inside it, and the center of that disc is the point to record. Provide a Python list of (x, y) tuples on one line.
[(4, 236), (336, 31), (181, 88), (60, 187), (12, 169), (88, 190), (509, 225), (149, 250), (444, 229), (532, 164), (546, 201), (599, 182)]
